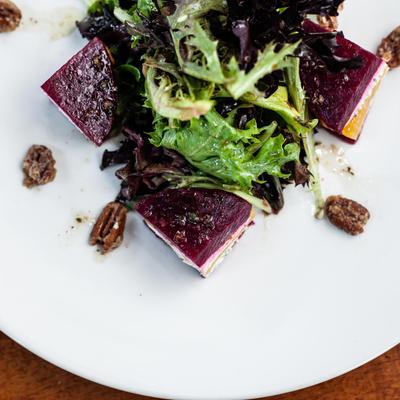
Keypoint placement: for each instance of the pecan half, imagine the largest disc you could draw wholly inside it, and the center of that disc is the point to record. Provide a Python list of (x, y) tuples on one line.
[(347, 214), (38, 166), (108, 232), (10, 16), (389, 48), (328, 22)]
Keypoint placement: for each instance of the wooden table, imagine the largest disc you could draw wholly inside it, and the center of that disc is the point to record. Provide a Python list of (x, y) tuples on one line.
[(24, 376)]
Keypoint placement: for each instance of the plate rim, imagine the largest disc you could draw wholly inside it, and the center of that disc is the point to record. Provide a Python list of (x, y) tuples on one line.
[(24, 343), (22, 337)]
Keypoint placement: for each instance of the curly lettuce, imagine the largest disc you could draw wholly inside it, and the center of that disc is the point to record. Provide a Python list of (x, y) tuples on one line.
[(269, 60), (200, 56), (298, 98), (235, 156), (171, 100), (184, 60), (133, 14)]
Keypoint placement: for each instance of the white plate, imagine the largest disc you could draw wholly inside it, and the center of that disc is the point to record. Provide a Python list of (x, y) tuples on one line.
[(296, 302)]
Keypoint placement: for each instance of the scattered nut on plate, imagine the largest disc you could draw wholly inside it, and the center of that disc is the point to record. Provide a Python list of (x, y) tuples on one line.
[(389, 48), (108, 231), (38, 166), (10, 16), (347, 214)]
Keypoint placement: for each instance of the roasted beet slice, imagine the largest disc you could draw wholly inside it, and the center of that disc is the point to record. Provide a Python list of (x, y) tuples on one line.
[(200, 225), (85, 91), (342, 100)]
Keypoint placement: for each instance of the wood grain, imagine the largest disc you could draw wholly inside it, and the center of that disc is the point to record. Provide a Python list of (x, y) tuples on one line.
[(24, 376)]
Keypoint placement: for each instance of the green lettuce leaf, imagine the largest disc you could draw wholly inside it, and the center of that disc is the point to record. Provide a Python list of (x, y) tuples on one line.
[(190, 32), (293, 82), (279, 103), (172, 99), (133, 14), (95, 6), (146, 7), (201, 58), (193, 9), (240, 82), (298, 98), (235, 156)]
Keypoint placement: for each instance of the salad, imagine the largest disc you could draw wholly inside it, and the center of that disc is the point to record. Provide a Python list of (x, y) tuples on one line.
[(215, 102), (195, 81)]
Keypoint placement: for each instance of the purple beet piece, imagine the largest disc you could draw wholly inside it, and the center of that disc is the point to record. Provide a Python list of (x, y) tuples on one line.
[(341, 100), (85, 91), (199, 224)]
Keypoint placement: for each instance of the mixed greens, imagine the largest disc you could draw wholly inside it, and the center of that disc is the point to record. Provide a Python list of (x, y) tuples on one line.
[(211, 96)]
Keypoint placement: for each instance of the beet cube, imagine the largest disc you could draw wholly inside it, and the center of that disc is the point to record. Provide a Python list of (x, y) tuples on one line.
[(342, 100), (84, 90), (200, 225)]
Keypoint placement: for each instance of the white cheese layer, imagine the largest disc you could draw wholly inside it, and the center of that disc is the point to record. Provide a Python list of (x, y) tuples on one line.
[(215, 258), (379, 74)]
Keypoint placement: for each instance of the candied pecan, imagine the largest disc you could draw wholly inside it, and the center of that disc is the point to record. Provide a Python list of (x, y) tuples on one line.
[(389, 48), (10, 16), (347, 214), (328, 22), (108, 232), (38, 166)]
